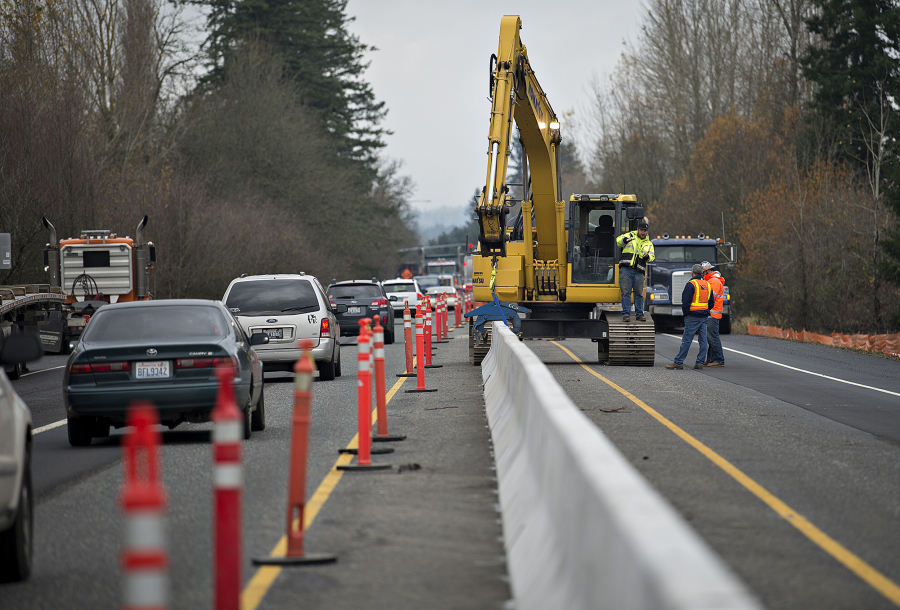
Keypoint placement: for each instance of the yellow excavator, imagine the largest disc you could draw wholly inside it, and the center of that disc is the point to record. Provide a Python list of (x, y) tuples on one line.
[(546, 266)]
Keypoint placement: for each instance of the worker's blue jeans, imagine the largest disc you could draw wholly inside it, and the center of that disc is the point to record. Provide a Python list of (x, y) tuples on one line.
[(714, 353), (631, 279), (693, 325)]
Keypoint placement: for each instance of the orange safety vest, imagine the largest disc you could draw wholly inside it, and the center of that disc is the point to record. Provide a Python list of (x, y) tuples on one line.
[(700, 301), (717, 286)]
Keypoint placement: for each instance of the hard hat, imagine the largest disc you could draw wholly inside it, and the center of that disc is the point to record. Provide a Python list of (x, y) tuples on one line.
[(706, 265)]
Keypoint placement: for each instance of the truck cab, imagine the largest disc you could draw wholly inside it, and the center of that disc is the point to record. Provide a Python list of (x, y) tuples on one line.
[(671, 270)]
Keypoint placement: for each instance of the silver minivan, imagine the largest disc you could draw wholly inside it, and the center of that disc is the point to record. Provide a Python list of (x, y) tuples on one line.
[(287, 308)]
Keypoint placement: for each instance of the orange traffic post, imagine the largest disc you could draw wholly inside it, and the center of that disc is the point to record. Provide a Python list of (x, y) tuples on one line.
[(382, 435), (428, 340), (145, 560), (303, 379), (420, 360), (446, 309), (228, 434), (364, 408), (438, 316), (407, 342), (457, 308)]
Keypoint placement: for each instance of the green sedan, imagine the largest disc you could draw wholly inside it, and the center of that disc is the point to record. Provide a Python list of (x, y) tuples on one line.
[(163, 351)]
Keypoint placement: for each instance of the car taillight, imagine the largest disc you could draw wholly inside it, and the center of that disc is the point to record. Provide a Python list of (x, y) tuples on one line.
[(420, 295), (203, 363), (100, 367), (77, 369), (333, 304), (325, 329), (380, 303)]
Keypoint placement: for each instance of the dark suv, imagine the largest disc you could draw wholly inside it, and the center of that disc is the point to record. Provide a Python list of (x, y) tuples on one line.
[(364, 299)]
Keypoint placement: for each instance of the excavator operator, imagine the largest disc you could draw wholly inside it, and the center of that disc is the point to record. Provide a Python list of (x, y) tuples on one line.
[(637, 251)]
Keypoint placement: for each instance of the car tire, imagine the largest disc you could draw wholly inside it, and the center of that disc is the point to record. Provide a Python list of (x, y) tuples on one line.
[(337, 367), (17, 542), (81, 431), (248, 425), (389, 337), (258, 418), (326, 370), (725, 325), (16, 371)]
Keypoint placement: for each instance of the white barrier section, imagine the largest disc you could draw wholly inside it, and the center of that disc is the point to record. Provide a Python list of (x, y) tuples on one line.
[(582, 528)]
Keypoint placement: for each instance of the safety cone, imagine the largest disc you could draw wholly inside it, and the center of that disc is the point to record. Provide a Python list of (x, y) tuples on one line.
[(445, 307), (382, 435), (364, 409), (428, 338), (407, 342), (303, 376), (145, 560)]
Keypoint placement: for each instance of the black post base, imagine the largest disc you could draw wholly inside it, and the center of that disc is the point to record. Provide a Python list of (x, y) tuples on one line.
[(359, 468), (312, 559), (422, 390), (390, 438), (373, 450)]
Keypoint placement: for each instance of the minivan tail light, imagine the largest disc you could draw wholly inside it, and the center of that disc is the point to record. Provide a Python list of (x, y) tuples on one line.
[(325, 329)]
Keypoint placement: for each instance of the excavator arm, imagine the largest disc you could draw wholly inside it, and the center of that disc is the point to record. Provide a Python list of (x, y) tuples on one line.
[(516, 96)]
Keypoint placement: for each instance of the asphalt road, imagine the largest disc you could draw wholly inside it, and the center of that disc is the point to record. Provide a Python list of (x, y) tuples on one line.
[(828, 450), (424, 533)]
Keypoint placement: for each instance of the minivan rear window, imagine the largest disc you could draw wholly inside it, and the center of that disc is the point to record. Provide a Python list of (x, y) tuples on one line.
[(389, 288), (354, 291), (265, 297)]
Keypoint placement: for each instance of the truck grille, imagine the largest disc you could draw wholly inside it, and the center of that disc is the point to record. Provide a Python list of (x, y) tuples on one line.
[(679, 279)]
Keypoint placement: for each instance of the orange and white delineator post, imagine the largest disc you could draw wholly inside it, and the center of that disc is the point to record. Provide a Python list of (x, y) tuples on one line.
[(228, 433), (438, 325), (446, 309), (420, 350), (295, 555), (428, 338), (382, 435), (364, 405), (407, 342), (457, 309), (145, 559)]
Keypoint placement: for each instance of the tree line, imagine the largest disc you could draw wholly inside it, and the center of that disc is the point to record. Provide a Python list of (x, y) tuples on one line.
[(778, 119), (258, 152)]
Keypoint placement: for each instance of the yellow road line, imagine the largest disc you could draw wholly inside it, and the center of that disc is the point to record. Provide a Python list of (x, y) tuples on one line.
[(259, 585), (852, 562)]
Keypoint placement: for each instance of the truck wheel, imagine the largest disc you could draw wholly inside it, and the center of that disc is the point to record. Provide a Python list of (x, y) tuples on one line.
[(725, 325), (388, 337), (248, 424), (80, 431), (337, 367), (16, 543)]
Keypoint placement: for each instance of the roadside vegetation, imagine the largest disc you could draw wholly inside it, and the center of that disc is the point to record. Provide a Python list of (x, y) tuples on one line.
[(268, 161)]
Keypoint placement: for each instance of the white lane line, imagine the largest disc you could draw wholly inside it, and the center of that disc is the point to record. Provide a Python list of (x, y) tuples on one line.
[(793, 368), (57, 424), (43, 370)]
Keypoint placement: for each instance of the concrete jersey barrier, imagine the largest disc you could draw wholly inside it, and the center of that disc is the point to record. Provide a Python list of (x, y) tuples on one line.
[(582, 528)]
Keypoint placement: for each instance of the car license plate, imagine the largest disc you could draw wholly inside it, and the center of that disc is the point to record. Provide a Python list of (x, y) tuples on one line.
[(152, 370), (274, 333), (353, 310)]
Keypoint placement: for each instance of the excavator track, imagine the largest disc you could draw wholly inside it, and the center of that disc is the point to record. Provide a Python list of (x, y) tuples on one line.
[(478, 350), (630, 343)]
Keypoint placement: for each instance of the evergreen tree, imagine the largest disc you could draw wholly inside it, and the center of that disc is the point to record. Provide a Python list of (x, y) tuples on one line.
[(319, 54)]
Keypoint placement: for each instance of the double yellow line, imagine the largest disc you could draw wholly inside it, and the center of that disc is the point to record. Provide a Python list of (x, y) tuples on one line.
[(259, 585), (852, 562)]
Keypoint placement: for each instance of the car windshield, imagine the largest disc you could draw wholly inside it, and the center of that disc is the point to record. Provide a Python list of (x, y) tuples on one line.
[(428, 282), (157, 322), (263, 297), (389, 288), (354, 291), (684, 254)]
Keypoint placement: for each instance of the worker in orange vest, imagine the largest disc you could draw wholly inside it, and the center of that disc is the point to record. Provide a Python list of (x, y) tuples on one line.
[(696, 301), (715, 356)]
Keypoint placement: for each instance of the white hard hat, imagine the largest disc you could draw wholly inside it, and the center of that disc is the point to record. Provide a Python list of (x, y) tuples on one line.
[(706, 265)]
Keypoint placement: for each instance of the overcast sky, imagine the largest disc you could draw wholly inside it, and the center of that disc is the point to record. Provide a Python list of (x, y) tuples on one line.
[(431, 70)]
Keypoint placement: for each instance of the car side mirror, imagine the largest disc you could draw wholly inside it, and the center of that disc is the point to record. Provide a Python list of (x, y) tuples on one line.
[(21, 348), (259, 339), (72, 345), (340, 308), (393, 298)]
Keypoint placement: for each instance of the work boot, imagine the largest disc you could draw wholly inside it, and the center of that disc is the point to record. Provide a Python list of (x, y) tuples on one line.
[(674, 366), (698, 367), (626, 318), (715, 364), (641, 318)]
